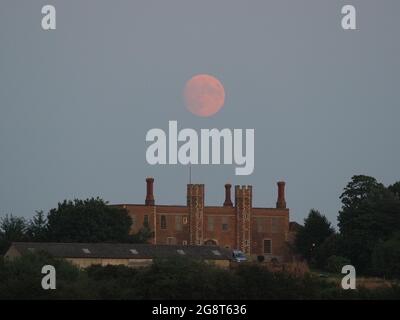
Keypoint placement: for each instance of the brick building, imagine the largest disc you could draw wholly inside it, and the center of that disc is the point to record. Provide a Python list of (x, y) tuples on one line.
[(238, 225)]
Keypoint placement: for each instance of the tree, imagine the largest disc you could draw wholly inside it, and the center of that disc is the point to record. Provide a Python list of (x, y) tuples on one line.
[(11, 229), (386, 258), (369, 215), (143, 235), (357, 199), (332, 246), (316, 229), (395, 189), (37, 228), (90, 220)]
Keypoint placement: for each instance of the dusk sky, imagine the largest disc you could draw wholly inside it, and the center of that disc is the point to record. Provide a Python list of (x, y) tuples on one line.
[(76, 103)]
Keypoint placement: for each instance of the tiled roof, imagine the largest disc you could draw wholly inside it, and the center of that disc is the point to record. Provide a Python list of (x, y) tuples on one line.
[(121, 250)]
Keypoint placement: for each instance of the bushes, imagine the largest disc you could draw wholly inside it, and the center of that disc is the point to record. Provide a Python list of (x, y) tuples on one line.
[(21, 278), (167, 279), (335, 264)]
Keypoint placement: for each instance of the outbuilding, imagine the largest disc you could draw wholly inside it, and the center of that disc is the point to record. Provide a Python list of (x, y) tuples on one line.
[(133, 255)]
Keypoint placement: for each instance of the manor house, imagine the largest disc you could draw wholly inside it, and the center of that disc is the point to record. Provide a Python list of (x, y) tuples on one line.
[(234, 225)]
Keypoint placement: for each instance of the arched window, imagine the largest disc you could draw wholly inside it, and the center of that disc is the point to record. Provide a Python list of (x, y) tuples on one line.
[(210, 242)]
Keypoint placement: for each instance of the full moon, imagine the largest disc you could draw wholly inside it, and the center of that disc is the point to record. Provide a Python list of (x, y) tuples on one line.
[(204, 95)]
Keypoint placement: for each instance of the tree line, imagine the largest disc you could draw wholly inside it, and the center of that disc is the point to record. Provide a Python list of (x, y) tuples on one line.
[(90, 220)]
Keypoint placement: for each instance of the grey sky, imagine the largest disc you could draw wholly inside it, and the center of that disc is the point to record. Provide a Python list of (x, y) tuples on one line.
[(76, 103)]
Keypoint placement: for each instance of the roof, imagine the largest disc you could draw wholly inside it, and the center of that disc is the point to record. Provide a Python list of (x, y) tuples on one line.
[(122, 250), (217, 210), (294, 226)]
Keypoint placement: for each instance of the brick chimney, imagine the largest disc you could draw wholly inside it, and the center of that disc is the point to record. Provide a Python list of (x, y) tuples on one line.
[(281, 203), (228, 201), (149, 192)]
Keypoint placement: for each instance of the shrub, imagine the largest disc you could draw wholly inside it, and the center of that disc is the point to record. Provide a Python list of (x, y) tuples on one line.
[(335, 264)]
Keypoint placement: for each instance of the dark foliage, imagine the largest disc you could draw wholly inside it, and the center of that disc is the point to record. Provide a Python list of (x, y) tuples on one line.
[(316, 230), (90, 220), (168, 279), (11, 229), (370, 215)]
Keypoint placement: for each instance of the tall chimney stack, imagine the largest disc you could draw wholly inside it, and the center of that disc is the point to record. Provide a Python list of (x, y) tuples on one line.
[(281, 203), (228, 201), (149, 193)]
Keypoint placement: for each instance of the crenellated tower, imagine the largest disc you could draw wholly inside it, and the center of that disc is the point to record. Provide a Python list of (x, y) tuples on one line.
[(243, 206), (195, 203)]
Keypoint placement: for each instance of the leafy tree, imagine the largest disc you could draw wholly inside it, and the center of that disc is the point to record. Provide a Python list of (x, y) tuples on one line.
[(395, 189), (11, 229), (37, 228), (368, 205), (386, 258), (90, 220), (316, 229), (332, 246), (369, 215), (143, 235)]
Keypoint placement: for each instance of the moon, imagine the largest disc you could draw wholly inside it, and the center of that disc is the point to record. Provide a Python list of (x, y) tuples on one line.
[(204, 95)]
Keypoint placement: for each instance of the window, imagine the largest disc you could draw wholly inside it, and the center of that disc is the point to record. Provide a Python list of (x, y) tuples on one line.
[(163, 222), (184, 242), (210, 225), (275, 225), (267, 246), (224, 224), (178, 223), (146, 220), (185, 220), (133, 218), (210, 242), (134, 251), (85, 250)]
